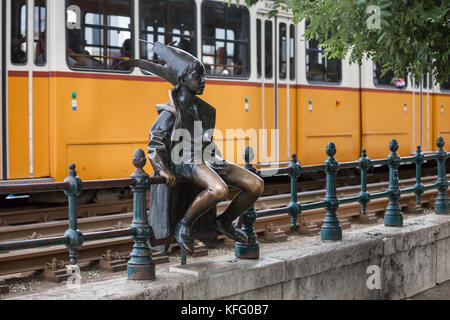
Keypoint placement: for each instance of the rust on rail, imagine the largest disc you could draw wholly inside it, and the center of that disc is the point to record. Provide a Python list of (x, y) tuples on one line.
[(34, 187), (87, 185)]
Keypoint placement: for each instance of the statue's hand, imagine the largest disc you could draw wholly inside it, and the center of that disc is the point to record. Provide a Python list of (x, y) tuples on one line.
[(170, 177)]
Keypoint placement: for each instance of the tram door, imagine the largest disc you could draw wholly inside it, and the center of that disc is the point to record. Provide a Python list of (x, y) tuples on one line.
[(28, 104), (275, 57), (285, 89), (423, 114)]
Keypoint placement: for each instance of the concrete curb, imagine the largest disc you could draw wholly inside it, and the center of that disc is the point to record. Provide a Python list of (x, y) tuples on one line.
[(410, 259)]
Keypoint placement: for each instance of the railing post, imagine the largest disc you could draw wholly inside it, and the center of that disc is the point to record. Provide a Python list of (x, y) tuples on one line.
[(75, 237), (419, 186), (140, 266), (331, 229), (249, 250), (364, 164), (393, 216), (441, 205), (294, 206)]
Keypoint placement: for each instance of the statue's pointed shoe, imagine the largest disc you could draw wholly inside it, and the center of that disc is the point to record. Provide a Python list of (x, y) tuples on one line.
[(230, 231), (183, 238)]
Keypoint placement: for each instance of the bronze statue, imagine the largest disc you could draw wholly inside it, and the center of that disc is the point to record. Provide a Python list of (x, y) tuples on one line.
[(190, 207)]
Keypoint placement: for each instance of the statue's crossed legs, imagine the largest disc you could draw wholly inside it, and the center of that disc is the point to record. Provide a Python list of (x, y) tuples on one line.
[(215, 185)]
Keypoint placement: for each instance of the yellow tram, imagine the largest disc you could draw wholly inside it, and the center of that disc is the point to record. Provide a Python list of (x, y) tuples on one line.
[(64, 101)]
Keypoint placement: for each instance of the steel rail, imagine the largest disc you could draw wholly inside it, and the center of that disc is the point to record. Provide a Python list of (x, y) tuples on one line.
[(86, 185)]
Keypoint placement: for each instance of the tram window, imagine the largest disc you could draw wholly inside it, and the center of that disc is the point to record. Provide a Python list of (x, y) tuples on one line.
[(268, 48), (167, 22), (104, 37), (18, 31), (292, 52), (388, 79), (225, 39), (446, 85), (282, 52), (258, 47), (320, 68), (40, 38)]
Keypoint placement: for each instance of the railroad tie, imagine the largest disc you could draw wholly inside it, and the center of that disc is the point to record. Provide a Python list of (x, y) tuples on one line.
[(55, 271), (4, 288), (111, 261), (273, 233)]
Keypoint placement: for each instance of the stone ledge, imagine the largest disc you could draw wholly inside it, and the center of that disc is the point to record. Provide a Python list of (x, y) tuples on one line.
[(412, 259)]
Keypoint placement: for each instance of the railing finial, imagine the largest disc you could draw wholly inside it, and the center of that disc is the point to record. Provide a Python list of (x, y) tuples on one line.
[(393, 145), (139, 159), (440, 142), (72, 172), (331, 149), (364, 153), (249, 155)]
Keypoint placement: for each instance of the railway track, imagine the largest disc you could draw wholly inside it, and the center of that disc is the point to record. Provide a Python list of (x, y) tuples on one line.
[(309, 222)]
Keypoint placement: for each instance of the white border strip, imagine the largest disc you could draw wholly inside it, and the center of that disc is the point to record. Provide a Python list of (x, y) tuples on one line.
[(30, 47)]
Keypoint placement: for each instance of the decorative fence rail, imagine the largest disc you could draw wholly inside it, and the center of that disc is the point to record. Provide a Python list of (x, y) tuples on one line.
[(141, 266), (331, 229)]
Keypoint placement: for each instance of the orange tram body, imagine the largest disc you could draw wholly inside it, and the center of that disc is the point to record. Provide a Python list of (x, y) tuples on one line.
[(62, 101)]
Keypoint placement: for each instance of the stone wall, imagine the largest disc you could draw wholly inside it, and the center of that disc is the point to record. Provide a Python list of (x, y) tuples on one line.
[(410, 259)]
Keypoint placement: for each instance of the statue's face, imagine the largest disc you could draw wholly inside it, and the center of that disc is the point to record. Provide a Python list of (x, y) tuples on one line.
[(195, 80)]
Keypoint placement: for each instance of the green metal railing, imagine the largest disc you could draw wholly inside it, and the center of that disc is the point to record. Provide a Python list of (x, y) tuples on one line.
[(141, 266), (331, 229)]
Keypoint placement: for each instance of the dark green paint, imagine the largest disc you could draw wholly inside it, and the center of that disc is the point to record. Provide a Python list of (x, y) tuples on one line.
[(294, 206), (364, 196), (393, 216), (140, 266), (419, 186), (249, 250), (331, 229), (441, 205)]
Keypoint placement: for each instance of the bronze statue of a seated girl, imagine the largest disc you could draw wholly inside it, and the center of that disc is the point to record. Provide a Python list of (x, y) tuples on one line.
[(181, 144)]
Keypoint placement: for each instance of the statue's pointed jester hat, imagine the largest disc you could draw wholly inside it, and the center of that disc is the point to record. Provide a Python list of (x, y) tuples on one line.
[(176, 61)]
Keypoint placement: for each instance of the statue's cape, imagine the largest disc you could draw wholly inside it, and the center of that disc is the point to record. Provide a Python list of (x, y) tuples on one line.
[(167, 208)]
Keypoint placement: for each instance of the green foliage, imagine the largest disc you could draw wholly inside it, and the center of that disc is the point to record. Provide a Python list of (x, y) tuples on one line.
[(414, 35)]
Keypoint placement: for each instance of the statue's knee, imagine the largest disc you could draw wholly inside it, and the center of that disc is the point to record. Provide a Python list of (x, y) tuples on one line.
[(219, 192)]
